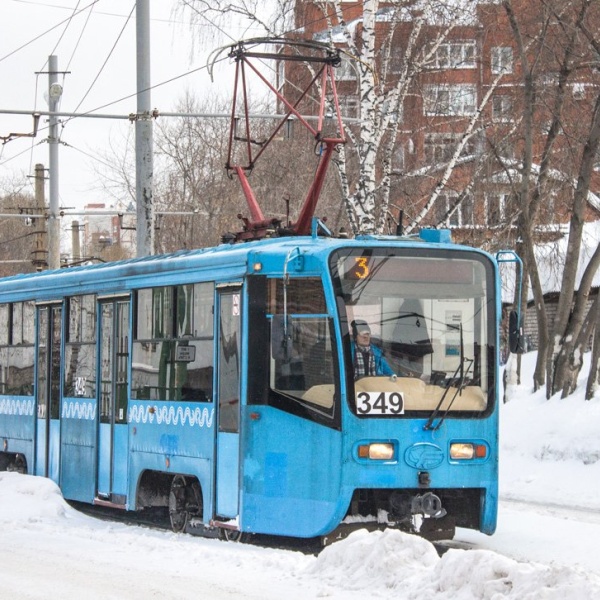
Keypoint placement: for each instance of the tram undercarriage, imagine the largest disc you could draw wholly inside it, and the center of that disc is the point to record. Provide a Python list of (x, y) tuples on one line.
[(432, 514)]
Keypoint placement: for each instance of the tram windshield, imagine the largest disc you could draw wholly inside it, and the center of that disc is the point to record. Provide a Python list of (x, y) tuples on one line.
[(420, 334)]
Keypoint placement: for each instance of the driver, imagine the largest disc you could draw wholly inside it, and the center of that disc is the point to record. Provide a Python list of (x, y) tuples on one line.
[(367, 359)]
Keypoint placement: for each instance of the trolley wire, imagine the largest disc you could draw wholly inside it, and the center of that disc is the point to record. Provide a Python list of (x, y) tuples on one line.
[(107, 58), (87, 20), (37, 37), (90, 6)]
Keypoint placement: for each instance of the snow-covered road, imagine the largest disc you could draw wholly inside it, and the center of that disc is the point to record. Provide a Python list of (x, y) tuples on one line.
[(545, 546), (547, 533), (49, 550)]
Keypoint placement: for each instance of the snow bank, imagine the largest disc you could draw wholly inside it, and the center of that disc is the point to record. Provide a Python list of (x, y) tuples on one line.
[(30, 499), (543, 442), (392, 564)]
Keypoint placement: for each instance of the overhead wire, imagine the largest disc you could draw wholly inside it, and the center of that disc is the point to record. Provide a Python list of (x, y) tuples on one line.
[(62, 35), (37, 37), (107, 58), (90, 6), (165, 82), (87, 20)]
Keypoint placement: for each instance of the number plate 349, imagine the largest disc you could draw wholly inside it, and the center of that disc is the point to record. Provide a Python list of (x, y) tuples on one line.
[(380, 403)]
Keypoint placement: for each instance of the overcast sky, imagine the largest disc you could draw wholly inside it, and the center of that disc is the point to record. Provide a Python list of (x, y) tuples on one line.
[(95, 42)]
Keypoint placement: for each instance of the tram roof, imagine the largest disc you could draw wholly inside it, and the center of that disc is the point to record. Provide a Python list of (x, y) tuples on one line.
[(219, 263)]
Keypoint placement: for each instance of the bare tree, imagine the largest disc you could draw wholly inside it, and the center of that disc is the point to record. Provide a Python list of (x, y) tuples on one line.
[(552, 53), (386, 47), (18, 234), (194, 193)]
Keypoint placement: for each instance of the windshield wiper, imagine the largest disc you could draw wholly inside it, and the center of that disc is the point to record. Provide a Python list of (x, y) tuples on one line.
[(456, 378)]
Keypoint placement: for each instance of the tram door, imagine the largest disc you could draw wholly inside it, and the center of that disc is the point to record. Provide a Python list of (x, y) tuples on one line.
[(47, 447), (228, 398), (112, 403)]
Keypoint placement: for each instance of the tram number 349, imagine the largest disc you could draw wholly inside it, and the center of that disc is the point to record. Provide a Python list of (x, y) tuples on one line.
[(380, 403)]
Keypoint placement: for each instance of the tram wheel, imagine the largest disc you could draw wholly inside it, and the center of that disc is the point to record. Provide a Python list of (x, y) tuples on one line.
[(178, 513), (12, 463), (19, 465)]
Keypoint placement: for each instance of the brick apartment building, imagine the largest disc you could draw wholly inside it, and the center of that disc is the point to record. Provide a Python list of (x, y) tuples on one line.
[(478, 53)]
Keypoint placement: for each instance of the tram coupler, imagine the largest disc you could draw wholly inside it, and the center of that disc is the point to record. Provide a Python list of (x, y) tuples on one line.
[(429, 505)]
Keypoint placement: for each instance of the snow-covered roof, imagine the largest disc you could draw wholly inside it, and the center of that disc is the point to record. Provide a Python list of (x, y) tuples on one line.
[(550, 258)]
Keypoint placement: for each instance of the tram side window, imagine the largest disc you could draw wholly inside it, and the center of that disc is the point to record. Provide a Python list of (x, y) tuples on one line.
[(173, 343), (17, 332), (301, 364), (80, 347)]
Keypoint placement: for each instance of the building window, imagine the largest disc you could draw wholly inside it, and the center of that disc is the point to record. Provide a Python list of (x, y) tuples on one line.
[(395, 115), (398, 158), (453, 215), (346, 71), (502, 109), (440, 147), (455, 55), (502, 60), (458, 100), (495, 209), (349, 106), (503, 147)]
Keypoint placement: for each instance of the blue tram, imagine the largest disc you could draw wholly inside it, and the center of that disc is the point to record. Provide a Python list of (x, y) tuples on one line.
[(220, 384)]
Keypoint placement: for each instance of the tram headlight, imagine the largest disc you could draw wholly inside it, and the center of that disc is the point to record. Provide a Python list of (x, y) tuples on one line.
[(376, 451), (467, 451)]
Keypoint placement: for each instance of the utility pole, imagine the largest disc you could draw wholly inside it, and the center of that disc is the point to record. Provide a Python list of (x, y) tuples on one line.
[(143, 134), (75, 241), (39, 256), (54, 94)]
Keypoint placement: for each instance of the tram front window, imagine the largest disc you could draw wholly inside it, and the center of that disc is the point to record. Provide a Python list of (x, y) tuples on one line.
[(431, 316)]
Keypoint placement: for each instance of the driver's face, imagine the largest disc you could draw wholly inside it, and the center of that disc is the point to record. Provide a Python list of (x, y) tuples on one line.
[(363, 338)]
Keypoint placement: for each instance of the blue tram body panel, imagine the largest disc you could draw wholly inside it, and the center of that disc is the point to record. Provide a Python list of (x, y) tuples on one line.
[(172, 437), (228, 475), (419, 451), (17, 425), (78, 448), (291, 475), (295, 465)]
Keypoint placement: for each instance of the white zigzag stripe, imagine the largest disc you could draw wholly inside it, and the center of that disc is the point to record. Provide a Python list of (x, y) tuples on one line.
[(79, 410), (10, 406), (171, 416)]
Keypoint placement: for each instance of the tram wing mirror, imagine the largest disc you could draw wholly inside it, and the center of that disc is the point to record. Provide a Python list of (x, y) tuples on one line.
[(515, 333), (281, 337)]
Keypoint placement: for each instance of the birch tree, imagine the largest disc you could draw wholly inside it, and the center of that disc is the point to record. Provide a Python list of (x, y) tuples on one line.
[(387, 45), (391, 45)]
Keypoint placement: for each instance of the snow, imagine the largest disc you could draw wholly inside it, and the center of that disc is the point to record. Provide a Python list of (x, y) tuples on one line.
[(545, 545), (550, 259)]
